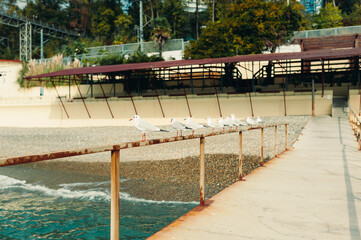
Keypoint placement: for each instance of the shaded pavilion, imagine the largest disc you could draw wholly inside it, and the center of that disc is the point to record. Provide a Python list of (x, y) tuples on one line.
[(273, 72)]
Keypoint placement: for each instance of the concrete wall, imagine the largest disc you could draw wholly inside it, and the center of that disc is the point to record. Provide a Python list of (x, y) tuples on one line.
[(354, 99), (53, 115)]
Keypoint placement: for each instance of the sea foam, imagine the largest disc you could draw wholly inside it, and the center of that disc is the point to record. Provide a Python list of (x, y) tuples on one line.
[(97, 191)]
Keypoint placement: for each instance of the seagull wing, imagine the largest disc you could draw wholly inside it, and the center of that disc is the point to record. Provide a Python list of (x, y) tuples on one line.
[(178, 126), (145, 127), (193, 125)]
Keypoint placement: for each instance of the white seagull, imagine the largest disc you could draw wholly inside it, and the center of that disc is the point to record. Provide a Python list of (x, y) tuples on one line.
[(237, 121), (192, 125), (212, 124), (144, 126), (259, 120), (178, 126), (221, 123), (250, 121), (227, 122)]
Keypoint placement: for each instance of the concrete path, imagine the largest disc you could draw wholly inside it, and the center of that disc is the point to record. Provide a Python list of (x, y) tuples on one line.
[(313, 191)]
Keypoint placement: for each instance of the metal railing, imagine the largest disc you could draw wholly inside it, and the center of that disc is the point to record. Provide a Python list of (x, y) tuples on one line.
[(328, 32), (355, 121), (115, 161), (96, 53)]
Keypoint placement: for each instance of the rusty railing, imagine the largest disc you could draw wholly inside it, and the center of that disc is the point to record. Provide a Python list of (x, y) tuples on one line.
[(115, 158), (355, 122)]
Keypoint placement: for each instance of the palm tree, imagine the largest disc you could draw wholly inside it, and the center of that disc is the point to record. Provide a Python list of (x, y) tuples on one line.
[(160, 35)]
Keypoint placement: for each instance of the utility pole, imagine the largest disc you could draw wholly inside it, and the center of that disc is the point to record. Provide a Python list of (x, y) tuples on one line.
[(213, 3), (41, 45), (141, 25)]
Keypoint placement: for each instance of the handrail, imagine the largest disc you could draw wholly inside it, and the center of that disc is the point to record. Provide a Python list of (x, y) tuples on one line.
[(355, 122), (115, 156)]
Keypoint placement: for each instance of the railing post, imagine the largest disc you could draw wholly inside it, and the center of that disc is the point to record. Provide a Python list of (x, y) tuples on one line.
[(240, 157), (201, 172), (276, 141), (114, 215), (261, 147), (285, 137)]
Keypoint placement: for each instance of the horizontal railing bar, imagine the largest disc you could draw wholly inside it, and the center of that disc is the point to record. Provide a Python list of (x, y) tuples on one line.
[(356, 115), (77, 152)]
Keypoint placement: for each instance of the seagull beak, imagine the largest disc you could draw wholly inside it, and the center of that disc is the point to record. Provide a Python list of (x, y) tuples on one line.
[(131, 119)]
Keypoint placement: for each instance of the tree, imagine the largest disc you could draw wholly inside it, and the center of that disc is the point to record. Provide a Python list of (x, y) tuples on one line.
[(248, 27), (174, 11), (160, 35), (79, 16), (329, 17), (354, 18), (123, 28)]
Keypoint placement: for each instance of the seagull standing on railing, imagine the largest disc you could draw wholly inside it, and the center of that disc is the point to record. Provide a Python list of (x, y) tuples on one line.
[(144, 126), (178, 126), (259, 120), (237, 121), (221, 122), (250, 121), (212, 124), (227, 122), (192, 125)]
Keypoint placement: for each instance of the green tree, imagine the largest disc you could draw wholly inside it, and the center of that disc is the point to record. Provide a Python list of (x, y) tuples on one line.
[(123, 28), (248, 27), (354, 18), (174, 11), (328, 17)]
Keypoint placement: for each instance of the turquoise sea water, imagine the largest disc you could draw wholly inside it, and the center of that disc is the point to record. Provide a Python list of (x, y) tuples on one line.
[(81, 210)]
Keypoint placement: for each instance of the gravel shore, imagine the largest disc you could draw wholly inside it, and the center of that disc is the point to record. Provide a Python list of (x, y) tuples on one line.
[(160, 172)]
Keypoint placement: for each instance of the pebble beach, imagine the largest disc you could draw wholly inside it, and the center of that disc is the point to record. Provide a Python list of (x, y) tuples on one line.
[(159, 172)]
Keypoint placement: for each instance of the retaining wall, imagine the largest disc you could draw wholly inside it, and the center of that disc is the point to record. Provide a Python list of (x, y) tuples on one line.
[(53, 115)]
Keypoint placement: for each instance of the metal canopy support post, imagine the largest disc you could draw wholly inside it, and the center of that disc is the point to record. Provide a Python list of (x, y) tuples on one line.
[(219, 105), (156, 92), (114, 215), (59, 98), (105, 97), (81, 96), (250, 98), (284, 90), (69, 88), (130, 95), (185, 95), (91, 86)]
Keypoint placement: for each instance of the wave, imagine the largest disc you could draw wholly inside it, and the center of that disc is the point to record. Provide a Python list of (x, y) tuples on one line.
[(69, 191)]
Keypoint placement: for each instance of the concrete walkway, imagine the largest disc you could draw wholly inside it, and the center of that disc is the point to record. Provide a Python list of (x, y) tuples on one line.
[(313, 191)]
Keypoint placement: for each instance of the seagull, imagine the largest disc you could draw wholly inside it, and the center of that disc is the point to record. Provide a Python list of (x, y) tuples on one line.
[(228, 122), (178, 126), (221, 123), (250, 121), (259, 120), (212, 124), (237, 121), (192, 125), (144, 126)]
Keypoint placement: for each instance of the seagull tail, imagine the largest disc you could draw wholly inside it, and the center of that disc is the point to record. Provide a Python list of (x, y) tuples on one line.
[(188, 128), (162, 130)]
